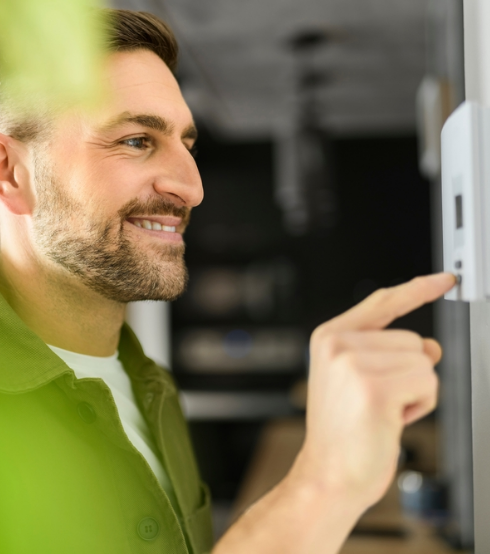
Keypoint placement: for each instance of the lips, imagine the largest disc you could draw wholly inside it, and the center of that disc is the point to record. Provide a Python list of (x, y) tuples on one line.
[(153, 225), (163, 227), (164, 220)]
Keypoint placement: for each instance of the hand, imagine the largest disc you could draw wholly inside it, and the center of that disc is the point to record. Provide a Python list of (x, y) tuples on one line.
[(365, 385)]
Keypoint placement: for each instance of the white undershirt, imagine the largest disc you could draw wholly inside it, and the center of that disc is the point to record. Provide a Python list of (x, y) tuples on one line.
[(111, 371)]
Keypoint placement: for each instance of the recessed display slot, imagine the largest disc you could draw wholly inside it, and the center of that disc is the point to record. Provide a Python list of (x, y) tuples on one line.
[(459, 211)]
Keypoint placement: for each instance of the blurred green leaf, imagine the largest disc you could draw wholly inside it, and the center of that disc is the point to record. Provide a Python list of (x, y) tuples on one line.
[(51, 50)]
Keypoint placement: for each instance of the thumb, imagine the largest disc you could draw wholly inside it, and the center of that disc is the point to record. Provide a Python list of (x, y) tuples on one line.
[(433, 349)]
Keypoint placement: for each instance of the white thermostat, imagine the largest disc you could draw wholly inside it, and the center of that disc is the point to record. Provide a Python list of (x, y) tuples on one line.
[(466, 201)]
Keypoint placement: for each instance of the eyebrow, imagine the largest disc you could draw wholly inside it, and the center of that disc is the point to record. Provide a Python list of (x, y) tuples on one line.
[(150, 121)]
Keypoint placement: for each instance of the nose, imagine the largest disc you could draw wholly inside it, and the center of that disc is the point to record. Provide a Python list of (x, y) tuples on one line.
[(179, 179)]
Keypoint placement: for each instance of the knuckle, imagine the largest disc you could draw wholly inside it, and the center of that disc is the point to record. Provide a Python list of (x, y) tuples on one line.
[(382, 299), (427, 364), (328, 344), (321, 331), (318, 336), (318, 332), (422, 368), (411, 335), (435, 382), (332, 345), (380, 295), (411, 338), (349, 360), (420, 283), (433, 397), (431, 386)]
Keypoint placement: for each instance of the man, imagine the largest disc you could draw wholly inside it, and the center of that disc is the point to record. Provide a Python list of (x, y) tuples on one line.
[(94, 452)]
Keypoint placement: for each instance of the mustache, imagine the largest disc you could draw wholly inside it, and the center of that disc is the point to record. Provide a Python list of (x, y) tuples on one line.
[(154, 206)]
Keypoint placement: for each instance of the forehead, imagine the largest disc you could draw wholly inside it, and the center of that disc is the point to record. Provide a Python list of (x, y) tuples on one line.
[(140, 82)]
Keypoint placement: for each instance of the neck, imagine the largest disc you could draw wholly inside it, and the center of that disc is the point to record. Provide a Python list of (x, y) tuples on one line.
[(57, 307)]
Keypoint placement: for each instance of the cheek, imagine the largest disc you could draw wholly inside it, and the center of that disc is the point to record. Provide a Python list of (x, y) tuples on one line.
[(114, 187), (104, 187)]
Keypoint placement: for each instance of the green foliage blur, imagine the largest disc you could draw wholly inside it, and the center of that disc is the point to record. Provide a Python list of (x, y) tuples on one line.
[(51, 51)]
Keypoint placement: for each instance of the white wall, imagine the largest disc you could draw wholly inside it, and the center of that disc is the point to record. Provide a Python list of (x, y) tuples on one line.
[(151, 323)]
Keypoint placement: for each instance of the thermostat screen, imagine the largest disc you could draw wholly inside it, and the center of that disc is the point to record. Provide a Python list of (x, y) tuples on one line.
[(459, 211)]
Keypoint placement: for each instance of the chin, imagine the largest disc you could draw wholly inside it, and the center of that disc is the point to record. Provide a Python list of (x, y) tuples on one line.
[(168, 285)]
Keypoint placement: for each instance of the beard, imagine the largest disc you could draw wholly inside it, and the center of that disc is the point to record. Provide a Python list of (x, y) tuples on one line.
[(99, 252)]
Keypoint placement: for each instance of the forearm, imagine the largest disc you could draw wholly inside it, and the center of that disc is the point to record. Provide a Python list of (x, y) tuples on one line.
[(294, 518)]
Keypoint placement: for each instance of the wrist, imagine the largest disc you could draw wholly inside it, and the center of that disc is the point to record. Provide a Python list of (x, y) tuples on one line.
[(300, 515), (314, 485)]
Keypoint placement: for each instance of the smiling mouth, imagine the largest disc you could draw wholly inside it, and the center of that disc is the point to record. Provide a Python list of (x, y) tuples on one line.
[(153, 225), (166, 224)]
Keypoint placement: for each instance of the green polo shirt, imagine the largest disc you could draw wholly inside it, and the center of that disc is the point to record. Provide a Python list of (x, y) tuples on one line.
[(70, 480)]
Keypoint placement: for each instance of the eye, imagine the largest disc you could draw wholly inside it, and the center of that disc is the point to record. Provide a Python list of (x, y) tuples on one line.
[(139, 143), (193, 151)]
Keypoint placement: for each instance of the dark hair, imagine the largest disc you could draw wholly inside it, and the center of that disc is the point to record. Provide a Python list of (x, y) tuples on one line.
[(128, 30)]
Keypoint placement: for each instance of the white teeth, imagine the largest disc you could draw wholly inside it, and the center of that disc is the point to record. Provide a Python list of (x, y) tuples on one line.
[(153, 225)]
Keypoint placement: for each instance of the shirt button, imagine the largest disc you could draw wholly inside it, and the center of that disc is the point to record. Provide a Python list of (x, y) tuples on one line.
[(147, 529), (86, 412), (148, 399)]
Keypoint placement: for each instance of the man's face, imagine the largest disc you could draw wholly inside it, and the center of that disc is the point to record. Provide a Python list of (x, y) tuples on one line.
[(107, 178)]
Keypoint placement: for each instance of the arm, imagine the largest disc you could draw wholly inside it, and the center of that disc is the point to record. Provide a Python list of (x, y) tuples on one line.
[(298, 516), (365, 385)]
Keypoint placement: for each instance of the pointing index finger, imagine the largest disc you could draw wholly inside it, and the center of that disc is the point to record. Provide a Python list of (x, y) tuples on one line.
[(386, 305)]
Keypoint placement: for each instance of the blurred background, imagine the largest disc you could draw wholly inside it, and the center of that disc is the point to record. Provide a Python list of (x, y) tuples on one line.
[(319, 151)]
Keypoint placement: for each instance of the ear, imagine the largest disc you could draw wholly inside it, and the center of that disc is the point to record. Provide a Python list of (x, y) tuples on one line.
[(15, 179)]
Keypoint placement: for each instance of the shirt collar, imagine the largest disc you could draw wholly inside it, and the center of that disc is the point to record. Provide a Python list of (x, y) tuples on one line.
[(26, 363)]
